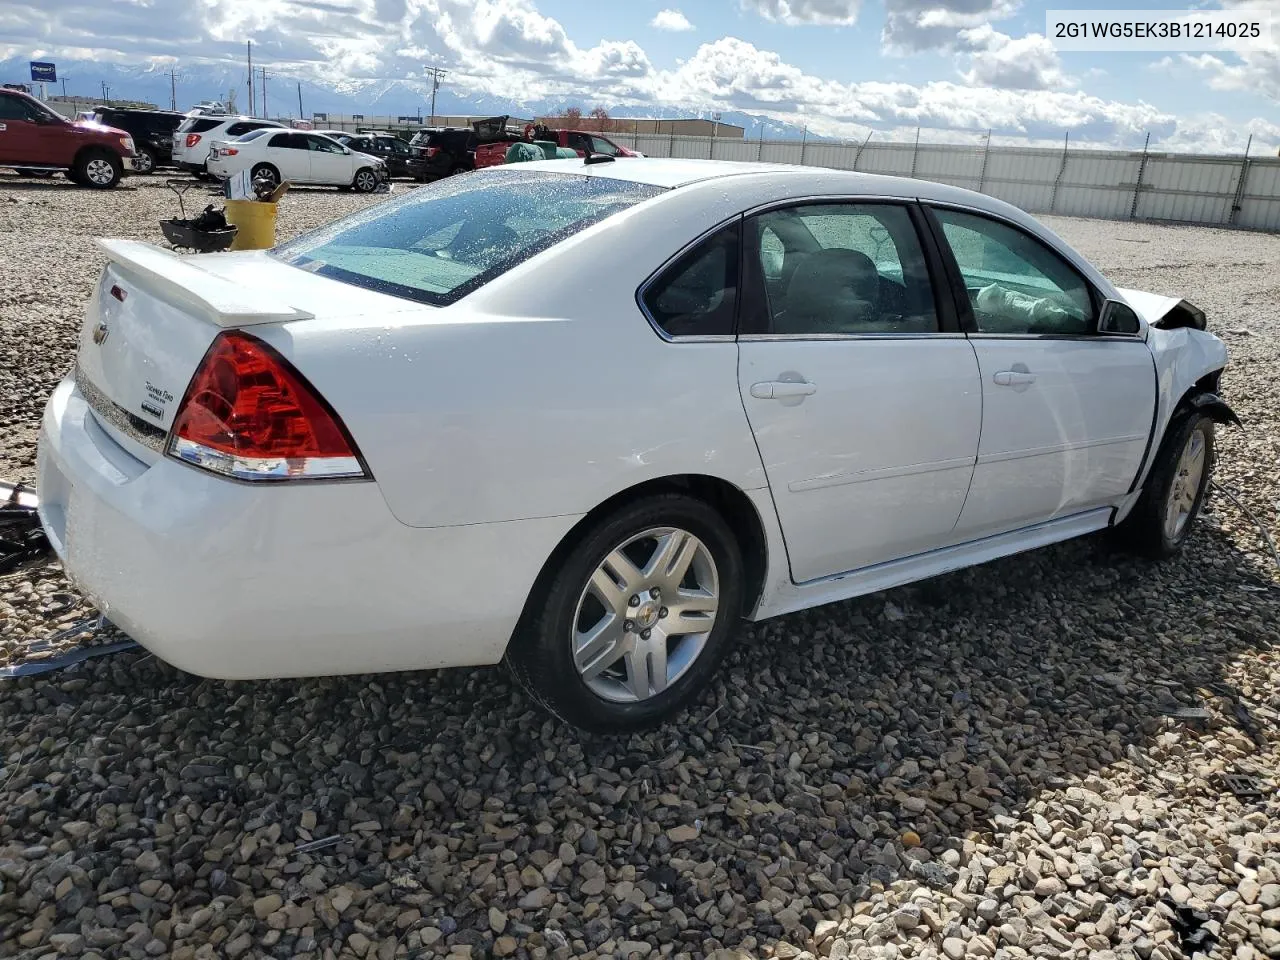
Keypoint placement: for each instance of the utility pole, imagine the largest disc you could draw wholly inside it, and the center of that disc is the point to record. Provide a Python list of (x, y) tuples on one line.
[(173, 90), (106, 92), (265, 115), (436, 74), (64, 88), (300, 114), (253, 103)]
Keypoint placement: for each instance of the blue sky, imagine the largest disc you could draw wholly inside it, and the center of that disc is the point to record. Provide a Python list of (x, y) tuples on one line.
[(843, 67)]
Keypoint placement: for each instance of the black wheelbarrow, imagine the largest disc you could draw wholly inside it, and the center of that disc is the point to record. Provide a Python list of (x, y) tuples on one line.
[(207, 233)]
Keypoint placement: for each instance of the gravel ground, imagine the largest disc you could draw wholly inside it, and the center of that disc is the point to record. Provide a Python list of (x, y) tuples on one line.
[(985, 765)]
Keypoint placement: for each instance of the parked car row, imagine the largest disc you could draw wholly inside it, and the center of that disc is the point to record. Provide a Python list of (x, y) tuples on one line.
[(99, 149)]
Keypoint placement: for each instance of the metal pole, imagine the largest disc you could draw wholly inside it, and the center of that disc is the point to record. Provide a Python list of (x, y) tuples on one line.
[(264, 94), (858, 156), (253, 102), (300, 113), (1237, 202), (1053, 200), (760, 143), (1137, 187), (986, 155), (915, 152), (173, 90), (804, 142), (64, 86)]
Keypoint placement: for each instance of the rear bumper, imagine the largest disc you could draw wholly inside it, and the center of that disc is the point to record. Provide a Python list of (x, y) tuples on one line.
[(236, 581), (190, 167)]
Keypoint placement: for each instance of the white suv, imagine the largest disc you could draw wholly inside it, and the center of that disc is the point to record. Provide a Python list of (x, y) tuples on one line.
[(193, 137)]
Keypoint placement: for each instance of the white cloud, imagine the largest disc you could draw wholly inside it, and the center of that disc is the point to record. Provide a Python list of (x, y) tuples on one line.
[(799, 12), (672, 20), (998, 60), (911, 26)]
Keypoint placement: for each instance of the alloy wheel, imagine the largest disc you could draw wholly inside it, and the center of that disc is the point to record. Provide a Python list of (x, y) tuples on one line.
[(1184, 490), (99, 171), (366, 181), (645, 614)]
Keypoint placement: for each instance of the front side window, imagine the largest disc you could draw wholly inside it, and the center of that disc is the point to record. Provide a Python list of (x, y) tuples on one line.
[(843, 269), (439, 242), (1016, 284), (696, 296), (323, 145)]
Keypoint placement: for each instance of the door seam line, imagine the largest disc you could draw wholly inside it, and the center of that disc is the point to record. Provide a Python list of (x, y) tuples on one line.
[(982, 423)]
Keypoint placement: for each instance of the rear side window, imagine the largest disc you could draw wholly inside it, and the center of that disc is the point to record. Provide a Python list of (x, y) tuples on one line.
[(696, 296), (198, 124), (243, 127), (254, 134), (843, 269), (438, 243)]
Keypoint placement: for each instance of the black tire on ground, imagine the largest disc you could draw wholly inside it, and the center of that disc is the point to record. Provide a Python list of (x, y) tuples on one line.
[(266, 169), (365, 180), (458, 169), (98, 169), (540, 654), (1147, 529), (145, 161)]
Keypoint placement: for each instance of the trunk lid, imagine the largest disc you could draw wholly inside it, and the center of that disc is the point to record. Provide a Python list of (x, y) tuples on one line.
[(154, 314)]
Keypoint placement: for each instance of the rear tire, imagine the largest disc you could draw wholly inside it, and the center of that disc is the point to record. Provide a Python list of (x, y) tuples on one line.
[(1175, 490), (98, 169), (365, 181), (266, 170), (615, 638)]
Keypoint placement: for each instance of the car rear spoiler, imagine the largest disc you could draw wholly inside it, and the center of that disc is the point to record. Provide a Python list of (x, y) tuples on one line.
[(175, 278)]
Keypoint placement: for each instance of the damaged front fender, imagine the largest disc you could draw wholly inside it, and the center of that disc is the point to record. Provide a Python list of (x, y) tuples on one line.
[(1215, 408)]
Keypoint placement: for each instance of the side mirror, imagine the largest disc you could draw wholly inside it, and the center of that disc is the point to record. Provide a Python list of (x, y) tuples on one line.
[(1118, 319)]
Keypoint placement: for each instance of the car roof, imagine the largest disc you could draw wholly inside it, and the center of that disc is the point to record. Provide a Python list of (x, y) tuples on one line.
[(828, 181)]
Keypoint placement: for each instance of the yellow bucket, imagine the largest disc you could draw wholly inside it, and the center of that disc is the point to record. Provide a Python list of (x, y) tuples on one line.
[(256, 221)]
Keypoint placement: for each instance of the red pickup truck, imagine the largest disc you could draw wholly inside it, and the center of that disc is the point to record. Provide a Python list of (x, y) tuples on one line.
[(35, 140)]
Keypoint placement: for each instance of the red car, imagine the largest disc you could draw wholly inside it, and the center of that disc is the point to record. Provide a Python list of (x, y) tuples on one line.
[(494, 152), (35, 140)]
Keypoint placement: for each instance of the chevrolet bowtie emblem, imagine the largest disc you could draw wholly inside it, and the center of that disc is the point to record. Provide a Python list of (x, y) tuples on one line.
[(100, 333)]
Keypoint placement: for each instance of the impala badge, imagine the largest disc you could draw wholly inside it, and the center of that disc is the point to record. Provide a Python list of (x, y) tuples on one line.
[(100, 333)]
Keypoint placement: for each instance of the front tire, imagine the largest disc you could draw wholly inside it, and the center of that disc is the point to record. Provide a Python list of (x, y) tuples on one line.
[(1175, 490), (366, 181), (631, 623), (98, 169)]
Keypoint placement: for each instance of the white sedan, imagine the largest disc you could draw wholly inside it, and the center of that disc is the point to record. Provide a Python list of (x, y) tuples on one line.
[(296, 156), (585, 416)]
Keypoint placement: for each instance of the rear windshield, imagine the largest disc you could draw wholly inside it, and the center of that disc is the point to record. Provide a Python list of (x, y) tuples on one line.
[(438, 243), (199, 124), (254, 134)]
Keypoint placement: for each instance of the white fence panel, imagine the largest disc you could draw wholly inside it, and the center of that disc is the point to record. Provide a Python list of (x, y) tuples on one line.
[(1187, 189), (1071, 182)]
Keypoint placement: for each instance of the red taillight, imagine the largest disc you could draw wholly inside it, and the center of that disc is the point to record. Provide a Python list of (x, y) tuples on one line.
[(432, 151), (249, 414), (228, 152), (192, 139)]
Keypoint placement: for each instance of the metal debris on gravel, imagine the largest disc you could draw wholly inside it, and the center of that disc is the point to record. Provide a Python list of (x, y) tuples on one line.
[(935, 772)]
